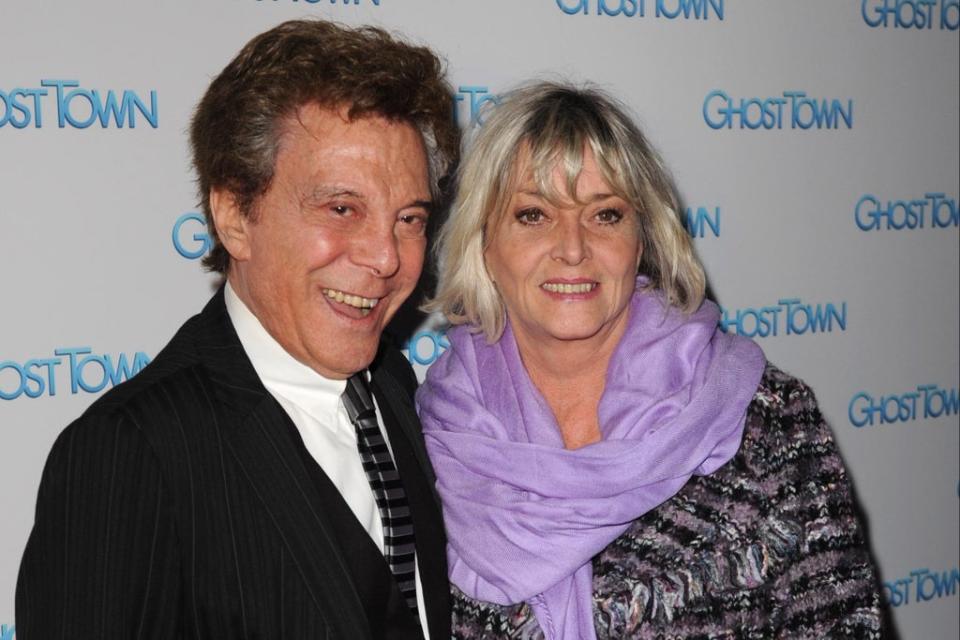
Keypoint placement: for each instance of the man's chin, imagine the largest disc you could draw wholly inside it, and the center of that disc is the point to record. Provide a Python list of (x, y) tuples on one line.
[(348, 357)]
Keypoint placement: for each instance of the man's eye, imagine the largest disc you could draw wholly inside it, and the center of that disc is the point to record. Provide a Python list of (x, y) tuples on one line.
[(530, 216), (413, 223), (340, 209), (609, 216)]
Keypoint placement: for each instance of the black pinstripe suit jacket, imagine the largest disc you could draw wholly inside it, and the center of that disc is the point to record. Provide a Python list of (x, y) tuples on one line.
[(183, 504)]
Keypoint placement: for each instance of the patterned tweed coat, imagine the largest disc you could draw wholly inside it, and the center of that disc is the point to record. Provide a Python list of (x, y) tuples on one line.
[(768, 546)]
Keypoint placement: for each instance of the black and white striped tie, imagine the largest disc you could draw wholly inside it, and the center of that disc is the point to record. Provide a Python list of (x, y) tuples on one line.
[(398, 541)]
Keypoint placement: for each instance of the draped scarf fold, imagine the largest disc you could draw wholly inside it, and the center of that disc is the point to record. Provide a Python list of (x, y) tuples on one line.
[(524, 516)]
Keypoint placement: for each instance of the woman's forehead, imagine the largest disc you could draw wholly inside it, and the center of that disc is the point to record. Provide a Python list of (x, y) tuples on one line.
[(558, 174)]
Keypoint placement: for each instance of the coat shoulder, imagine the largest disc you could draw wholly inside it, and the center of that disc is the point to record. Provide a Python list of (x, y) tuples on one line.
[(391, 361)]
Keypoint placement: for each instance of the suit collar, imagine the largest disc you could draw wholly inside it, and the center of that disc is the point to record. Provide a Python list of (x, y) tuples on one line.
[(217, 346), (254, 434)]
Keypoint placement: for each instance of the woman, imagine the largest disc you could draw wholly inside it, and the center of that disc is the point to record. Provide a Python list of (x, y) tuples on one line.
[(611, 464)]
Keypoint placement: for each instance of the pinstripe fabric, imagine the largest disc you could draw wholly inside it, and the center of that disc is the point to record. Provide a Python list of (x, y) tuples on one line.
[(181, 505), (398, 538)]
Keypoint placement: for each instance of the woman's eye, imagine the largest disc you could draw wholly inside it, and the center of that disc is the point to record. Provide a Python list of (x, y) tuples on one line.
[(530, 216), (609, 216)]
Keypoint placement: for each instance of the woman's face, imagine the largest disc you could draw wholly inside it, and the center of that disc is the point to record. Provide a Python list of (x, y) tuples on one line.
[(565, 271)]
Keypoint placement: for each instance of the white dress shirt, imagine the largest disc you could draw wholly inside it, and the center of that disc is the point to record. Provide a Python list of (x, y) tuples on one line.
[(314, 405)]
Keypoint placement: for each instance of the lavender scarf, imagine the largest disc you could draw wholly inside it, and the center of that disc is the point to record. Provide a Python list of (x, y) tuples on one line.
[(524, 516)]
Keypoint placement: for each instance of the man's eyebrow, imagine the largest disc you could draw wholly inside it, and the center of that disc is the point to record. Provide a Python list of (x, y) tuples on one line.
[(333, 191), (422, 204)]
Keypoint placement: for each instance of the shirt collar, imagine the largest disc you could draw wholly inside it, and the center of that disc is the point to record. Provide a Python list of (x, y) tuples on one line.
[(281, 373)]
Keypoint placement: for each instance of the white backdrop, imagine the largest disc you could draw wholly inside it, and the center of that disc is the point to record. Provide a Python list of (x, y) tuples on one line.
[(815, 143)]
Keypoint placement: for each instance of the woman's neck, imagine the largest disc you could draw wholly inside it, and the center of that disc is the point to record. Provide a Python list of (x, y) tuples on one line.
[(571, 375)]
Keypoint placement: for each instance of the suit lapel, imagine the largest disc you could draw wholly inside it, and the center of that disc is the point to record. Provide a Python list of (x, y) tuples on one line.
[(254, 431), (287, 493), (386, 608), (410, 456)]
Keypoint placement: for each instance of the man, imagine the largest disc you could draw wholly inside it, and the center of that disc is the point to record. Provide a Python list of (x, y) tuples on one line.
[(241, 485)]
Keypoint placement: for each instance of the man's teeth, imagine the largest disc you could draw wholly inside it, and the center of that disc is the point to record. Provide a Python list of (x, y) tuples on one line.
[(557, 287), (352, 300)]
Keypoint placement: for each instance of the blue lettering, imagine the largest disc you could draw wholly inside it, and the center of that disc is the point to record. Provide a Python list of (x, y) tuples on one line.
[(950, 15), (725, 321), (21, 377), (626, 7), (80, 108), (721, 111), (123, 370), (478, 100), (940, 204), (937, 402), (825, 315), (669, 9), (923, 578), (72, 353), (201, 237), (910, 14), (30, 378), (131, 101), (69, 116), (742, 318), (867, 226), (860, 415), (882, 21), (60, 84), (926, 584), (897, 592), (579, 6), (38, 379), (12, 105), (696, 224), (76, 375), (871, 215), (819, 318), (821, 114), (700, 9), (436, 343), (752, 323), (948, 582), (835, 113)]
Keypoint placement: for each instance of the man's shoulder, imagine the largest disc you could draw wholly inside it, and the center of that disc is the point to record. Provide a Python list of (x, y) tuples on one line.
[(175, 365), (391, 363)]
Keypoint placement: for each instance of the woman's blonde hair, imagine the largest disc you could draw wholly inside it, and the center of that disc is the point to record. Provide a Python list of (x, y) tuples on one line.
[(552, 124)]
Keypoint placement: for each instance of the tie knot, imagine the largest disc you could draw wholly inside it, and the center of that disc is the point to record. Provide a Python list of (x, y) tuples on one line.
[(356, 397)]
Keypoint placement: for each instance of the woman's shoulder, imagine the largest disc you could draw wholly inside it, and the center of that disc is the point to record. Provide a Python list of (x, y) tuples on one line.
[(779, 394), (783, 421)]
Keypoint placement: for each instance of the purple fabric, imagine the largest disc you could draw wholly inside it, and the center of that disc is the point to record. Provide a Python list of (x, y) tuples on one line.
[(524, 516)]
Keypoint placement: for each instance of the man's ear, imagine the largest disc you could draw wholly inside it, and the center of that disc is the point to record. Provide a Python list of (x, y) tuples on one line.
[(232, 226)]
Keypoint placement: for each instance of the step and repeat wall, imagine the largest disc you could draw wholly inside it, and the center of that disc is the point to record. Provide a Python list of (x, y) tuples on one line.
[(814, 144)]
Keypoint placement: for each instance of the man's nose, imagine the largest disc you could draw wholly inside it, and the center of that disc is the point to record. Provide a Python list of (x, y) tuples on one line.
[(375, 248)]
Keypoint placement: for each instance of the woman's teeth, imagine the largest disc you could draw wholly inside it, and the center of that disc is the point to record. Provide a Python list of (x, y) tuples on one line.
[(559, 287)]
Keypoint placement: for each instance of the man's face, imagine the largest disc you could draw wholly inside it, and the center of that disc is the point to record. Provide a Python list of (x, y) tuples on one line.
[(336, 244)]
